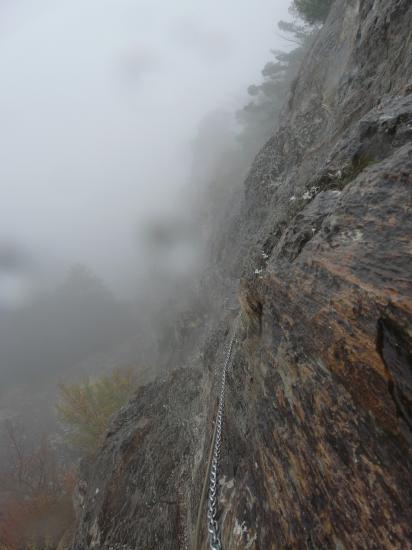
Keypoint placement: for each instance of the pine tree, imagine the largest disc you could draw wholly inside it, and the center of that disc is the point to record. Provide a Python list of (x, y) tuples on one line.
[(312, 11), (258, 119)]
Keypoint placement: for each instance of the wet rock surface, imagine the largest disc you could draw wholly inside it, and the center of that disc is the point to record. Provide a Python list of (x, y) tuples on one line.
[(328, 434), (130, 494), (317, 431)]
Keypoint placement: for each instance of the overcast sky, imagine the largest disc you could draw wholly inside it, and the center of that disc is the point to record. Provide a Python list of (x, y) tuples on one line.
[(99, 100)]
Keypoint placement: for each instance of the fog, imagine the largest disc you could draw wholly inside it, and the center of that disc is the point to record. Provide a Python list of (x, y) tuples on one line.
[(118, 156), (99, 102), (117, 149)]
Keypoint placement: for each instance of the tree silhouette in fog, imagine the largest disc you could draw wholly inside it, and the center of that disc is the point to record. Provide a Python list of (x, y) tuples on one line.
[(312, 11), (259, 117), (61, 328)]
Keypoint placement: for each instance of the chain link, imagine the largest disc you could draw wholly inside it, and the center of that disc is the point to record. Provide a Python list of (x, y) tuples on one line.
[(212, 524)]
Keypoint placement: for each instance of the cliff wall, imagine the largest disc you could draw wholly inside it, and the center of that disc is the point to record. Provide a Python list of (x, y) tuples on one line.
[(317, 432)]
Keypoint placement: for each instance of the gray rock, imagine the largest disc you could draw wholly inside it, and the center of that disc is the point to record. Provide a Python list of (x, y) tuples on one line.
[(317, 429)]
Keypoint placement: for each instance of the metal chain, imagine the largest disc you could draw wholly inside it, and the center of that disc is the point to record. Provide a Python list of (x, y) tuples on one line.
[(212, 525)]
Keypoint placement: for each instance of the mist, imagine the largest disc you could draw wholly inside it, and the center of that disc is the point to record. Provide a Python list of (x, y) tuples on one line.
[(119, 153), (99, 103)]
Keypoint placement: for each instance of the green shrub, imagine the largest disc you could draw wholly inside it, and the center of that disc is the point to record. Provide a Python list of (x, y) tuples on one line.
[(312, 11), (85, 409)]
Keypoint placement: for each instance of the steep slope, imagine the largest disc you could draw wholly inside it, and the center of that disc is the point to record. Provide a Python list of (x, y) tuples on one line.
[(317, 432)]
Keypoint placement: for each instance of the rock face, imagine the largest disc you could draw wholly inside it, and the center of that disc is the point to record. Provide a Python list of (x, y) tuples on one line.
[(317, 433)]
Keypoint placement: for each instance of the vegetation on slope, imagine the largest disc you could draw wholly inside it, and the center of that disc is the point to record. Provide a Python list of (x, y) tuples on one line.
[(86, 408), (312, 11)]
